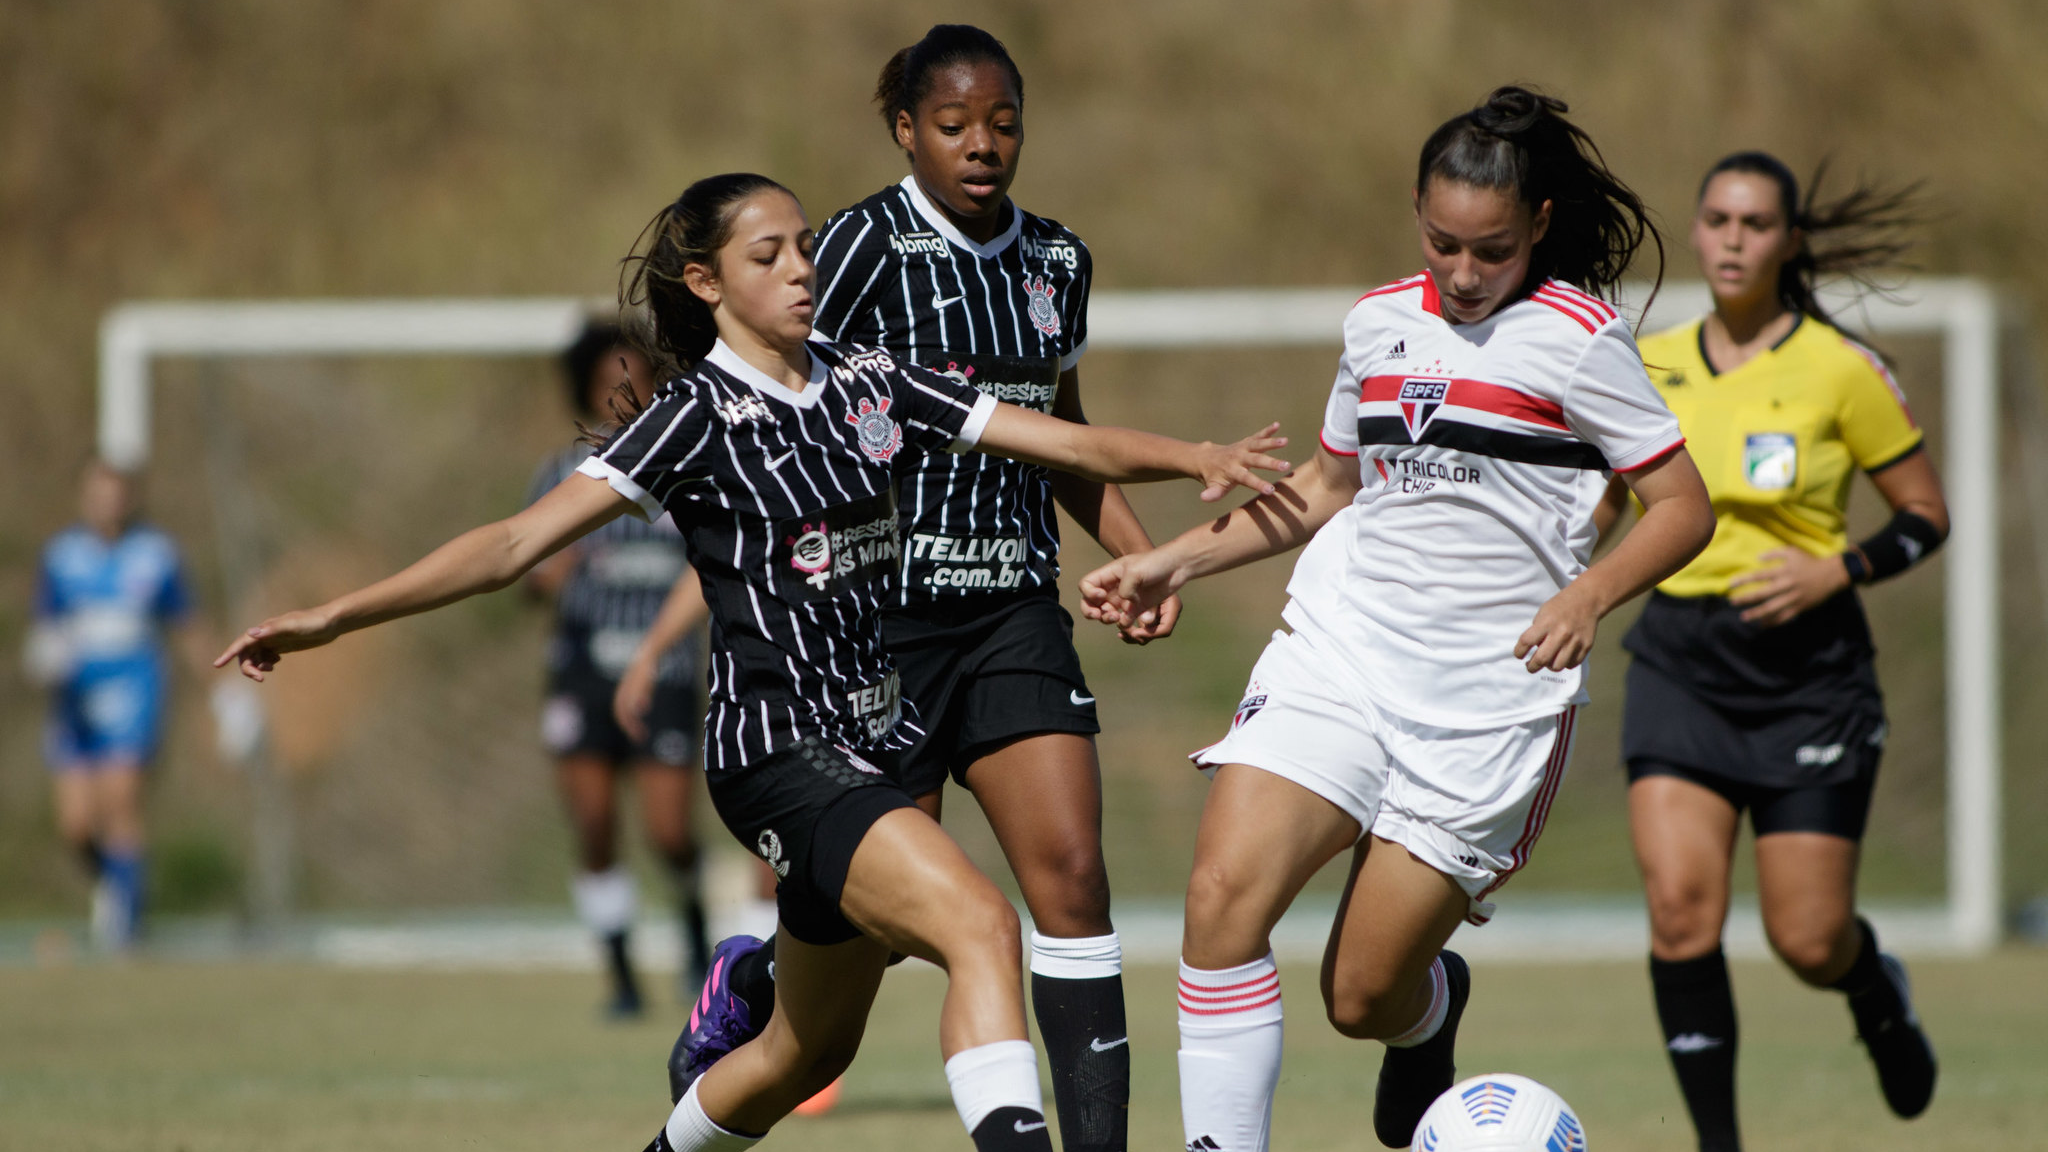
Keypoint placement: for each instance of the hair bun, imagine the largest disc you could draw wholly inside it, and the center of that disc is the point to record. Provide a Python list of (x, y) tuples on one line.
[(1512, 108)]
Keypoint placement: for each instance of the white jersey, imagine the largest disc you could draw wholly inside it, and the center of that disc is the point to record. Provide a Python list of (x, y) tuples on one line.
[(1483, 449)]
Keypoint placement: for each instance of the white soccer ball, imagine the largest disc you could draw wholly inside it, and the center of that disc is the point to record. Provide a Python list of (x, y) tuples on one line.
[(1500, 1112)]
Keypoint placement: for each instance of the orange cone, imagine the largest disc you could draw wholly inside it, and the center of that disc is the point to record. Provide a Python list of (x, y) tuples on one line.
[(822, 1103)]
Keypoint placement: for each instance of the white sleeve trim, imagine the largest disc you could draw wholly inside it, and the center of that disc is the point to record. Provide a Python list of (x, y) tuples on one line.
[(1073, 358), (975, 424), (646, 506)]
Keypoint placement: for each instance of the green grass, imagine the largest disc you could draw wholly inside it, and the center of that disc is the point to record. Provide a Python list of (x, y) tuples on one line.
[(225, 1058)]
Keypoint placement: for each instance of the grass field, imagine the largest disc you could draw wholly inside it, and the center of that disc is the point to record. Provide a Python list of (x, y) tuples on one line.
[(235, 1057)]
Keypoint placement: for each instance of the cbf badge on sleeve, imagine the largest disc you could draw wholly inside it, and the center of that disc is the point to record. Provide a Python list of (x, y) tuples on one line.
[(1770, 461)]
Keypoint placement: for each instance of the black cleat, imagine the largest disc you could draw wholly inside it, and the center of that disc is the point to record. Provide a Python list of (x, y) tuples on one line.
[(1890, 1031), (1412, 1078)]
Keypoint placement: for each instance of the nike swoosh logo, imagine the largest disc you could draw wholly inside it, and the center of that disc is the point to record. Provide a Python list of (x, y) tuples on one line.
[(939, 301), (1096, 1045), (1077, 698), (1022, 1127), (779, 461)]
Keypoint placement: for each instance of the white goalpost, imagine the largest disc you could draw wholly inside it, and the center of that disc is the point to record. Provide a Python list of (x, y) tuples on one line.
[(1961, 312)]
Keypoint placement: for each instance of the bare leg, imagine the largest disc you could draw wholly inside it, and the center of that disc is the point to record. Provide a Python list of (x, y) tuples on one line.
[(1396, 915), (1684, 839), (1807, 881), (910, 889)]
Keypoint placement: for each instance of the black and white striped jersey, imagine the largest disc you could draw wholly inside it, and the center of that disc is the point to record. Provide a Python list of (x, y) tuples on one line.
[(787, 500), (623, 572), (1006, 317)]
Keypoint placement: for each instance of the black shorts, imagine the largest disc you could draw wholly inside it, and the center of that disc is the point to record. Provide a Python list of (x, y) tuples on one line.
[(804, 809), (576, 717), (1785, 723), (1839, 809), (984, 671)]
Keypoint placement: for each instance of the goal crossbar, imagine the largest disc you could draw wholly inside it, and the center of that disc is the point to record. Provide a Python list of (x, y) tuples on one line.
[(1962, 312)]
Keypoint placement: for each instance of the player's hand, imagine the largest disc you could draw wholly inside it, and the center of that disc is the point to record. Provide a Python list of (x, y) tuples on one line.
[(1562, 633), (1226, 466), (260, 648), (634, 698), (1122, 591), (1794, 582), (1153, 623)]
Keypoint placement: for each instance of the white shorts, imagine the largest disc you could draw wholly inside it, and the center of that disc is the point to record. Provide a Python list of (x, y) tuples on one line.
[(1469, 803)]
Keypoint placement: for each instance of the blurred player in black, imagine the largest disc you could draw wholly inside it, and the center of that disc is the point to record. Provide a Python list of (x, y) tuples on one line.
[(1753, 686), (944, 271), (607, 589)]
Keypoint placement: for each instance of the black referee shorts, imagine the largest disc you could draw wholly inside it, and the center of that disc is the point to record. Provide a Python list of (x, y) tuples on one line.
[(985, 671), (1792, 770), (804, 809)]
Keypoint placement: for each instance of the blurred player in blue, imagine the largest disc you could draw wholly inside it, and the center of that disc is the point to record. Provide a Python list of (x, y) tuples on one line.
[(109, 589)]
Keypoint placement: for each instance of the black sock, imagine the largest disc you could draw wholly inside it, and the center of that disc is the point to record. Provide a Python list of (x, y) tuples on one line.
[(1696, 1005), (1012, 1130), (753, 981), (1088, 1048), (1871, 997), (625, 988)]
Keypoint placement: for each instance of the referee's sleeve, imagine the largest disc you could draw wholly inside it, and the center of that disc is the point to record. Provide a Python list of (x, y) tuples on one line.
[(645, 461), (1876, 425)]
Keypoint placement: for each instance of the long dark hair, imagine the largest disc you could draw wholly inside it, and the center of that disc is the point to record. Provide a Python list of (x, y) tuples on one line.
[(1518, 141), (1857, 235), (907, 78), (689, 231)]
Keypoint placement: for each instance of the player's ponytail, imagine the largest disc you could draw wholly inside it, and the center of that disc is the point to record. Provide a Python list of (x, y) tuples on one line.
[(1518, 141), (1857, 235), (907, 78), (689, 231)]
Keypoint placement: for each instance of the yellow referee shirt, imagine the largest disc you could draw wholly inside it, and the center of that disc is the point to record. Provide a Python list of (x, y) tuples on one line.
[(1777, 440)]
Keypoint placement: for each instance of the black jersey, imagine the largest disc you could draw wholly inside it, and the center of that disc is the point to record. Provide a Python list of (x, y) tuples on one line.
[(787, 500), (623, 573), (1006, 317)]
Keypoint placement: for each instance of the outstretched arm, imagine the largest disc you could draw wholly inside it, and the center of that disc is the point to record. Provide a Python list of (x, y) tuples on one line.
[(480, 560), (1677, 522), (1286, 517), (681, 614), (1127, 456), (1103, 513)]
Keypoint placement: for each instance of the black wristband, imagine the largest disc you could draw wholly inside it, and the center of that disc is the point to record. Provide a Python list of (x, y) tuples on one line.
[(1904, 541), (1859, 571)]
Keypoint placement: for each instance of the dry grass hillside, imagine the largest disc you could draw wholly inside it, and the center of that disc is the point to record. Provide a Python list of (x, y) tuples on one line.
[(234, 149)]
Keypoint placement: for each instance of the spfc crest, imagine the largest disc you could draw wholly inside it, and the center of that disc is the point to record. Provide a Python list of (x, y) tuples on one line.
[(1419, 401)]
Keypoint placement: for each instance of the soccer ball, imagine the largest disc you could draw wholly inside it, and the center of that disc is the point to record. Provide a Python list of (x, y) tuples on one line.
[(1500, 1112)]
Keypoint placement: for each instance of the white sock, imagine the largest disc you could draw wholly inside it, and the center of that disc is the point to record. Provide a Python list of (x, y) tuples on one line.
[(1230, 1040), (690, 1130), (1432, 1020), (999, 1075), (606, 901), (1077, 958)]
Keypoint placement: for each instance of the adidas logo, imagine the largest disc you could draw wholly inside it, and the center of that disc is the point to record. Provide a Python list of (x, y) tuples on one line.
[(1204, 1144), (1400, 351)]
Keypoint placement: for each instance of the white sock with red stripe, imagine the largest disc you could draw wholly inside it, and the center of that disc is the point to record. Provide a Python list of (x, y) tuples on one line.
[(1230, 1040), (1432, 1020)]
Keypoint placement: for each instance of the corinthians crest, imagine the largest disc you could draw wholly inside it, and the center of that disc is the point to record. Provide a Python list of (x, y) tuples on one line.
[(880, 436), (1044, 316)]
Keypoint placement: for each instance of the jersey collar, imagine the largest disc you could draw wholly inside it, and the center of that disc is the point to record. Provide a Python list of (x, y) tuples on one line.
[(729, 362), (944, 227)]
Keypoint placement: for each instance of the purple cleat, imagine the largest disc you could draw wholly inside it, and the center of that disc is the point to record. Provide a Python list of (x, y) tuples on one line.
[(719, 1022)]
